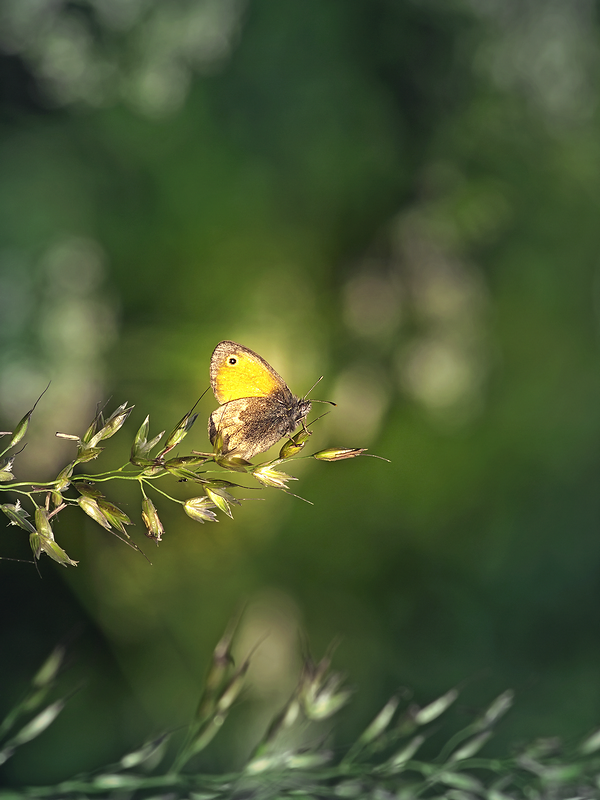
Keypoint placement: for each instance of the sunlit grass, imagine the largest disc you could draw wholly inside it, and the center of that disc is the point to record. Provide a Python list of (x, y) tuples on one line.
[(149, 465)]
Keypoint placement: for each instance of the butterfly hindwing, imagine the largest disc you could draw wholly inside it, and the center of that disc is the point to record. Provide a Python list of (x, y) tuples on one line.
[(247, 426)]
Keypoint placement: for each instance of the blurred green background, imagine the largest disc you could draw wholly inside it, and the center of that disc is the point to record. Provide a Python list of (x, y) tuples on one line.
[(400, 195)]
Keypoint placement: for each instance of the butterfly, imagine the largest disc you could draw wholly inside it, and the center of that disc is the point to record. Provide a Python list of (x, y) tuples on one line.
[(257, 408)]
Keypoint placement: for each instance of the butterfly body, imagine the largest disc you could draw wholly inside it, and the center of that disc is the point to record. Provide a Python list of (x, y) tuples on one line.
[(257, 408)]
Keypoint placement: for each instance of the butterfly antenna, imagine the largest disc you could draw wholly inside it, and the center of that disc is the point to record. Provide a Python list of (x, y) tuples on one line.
[(312, 387), (330, 402)]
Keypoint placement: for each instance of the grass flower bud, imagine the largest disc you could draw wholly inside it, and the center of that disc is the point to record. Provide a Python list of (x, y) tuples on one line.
[(56, 553), (293, 446), (154, 526), (63, 478), (398, 761), (471, 747), (114, 423), (17, 516), (381, 721), (427, 714), (496, 710), (117, 518), (141, 447), (319, 696), (199, 509), (42, 541), (229, 461), (92, 509), (272, 477), (221, 497), (42, 523), (338, 453), (87, 453), (180, 431), (6, 465), (21, 429)]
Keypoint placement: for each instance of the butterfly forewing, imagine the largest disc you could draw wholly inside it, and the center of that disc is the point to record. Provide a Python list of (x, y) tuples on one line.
[(236, 372)]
